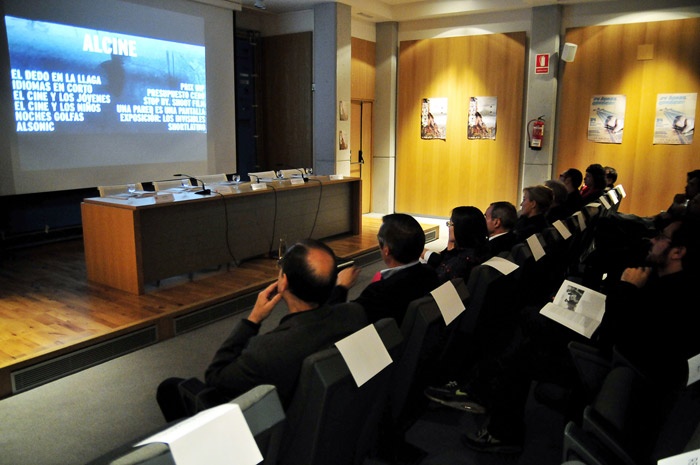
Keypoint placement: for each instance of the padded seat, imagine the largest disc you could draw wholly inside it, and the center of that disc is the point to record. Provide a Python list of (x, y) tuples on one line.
[(106, 191), (163, 185), (212, 178), (330, 420), (263, 413)]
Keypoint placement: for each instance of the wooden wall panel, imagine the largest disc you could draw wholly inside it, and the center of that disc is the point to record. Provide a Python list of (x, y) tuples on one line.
[(607, 63), (434, 176), (287, 137), (362, 69)]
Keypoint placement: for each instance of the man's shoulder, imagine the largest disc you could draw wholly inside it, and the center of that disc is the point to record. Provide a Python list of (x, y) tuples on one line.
[(347, 312)]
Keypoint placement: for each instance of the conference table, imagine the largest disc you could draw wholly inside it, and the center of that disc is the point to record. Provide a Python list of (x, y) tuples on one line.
[(134, 239)]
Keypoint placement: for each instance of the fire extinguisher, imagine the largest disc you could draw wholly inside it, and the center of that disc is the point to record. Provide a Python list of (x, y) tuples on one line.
[(536, 134)]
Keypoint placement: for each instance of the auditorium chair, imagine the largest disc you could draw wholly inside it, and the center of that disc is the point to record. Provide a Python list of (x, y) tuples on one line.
[(263, 413), (629, 422), (212, 178), (423, 330), (490, 304), (262, 175), (116, 189), (164, 185), (329, 419), (290, 173)]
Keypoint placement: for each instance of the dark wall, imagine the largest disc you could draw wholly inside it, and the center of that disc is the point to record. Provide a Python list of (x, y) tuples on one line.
[(36, 218), (287, 77)]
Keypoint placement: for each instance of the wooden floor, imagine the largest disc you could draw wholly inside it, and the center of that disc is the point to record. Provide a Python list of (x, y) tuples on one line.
[(48, 309)]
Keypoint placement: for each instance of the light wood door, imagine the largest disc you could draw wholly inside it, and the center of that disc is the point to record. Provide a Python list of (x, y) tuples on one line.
[(361, 149)]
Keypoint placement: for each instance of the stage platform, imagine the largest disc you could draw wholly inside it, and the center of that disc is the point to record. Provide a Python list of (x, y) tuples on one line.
[(53, 322)]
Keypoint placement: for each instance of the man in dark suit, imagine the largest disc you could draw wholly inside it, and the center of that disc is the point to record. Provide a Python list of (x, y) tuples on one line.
[(500, 221), (401, 242), (247, 359)]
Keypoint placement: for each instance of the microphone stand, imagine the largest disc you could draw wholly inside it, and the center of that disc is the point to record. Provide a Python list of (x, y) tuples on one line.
[(204, 190)]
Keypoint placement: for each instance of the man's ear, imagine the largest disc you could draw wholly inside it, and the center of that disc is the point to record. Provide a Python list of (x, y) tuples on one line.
[(677, 252), (282, 283)]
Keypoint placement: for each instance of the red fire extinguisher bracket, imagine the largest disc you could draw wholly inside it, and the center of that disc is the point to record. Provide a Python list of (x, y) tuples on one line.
[(535, 133)]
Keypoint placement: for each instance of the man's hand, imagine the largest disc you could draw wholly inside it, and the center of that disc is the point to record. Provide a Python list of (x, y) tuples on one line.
[(348, 277), (267, 300), (637, 276)]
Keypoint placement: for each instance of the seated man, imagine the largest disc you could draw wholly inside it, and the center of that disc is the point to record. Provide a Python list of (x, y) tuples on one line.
[(500, 220), (401, 241), (247, 359)]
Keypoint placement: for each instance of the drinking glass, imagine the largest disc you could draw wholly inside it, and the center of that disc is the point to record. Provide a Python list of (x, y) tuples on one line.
[(131, 188)]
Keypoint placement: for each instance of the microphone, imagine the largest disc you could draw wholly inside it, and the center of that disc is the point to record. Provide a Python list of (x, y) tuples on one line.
[(300, 170), (204, 190)]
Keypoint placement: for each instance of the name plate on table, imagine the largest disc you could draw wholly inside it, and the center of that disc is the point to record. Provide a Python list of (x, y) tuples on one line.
[(335, 177), (256, 186), (164, 198), (296, 181), (222, 189)]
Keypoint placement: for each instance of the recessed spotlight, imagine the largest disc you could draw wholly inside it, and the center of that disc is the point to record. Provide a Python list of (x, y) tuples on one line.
[(260, 4)]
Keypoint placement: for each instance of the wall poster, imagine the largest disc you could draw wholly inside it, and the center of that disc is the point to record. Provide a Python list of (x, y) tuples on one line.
[(675, 119), (606, 120), (481, 122), (433, 118)]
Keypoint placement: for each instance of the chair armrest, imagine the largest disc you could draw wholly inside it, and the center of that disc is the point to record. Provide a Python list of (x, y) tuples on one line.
[(581, 447), (607, 435), (197, 396), (592, 365)]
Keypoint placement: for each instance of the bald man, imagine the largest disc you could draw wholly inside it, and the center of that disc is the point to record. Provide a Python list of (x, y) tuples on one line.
[(247, 359)]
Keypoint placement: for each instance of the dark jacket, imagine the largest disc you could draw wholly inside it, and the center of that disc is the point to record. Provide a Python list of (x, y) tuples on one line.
[(389, 297), (247, 359)]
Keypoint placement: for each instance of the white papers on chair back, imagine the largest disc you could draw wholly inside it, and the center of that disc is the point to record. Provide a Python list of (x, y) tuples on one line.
[(448, 301), (364, 353), (621, 190), (503, 265), (535, 247), (605, 202), (576, 307), (562, 229), (581, 220), (216, 436), (685, 458), (693, 370)]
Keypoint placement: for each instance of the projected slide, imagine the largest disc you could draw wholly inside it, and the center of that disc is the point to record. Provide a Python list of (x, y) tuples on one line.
[(73, 80)]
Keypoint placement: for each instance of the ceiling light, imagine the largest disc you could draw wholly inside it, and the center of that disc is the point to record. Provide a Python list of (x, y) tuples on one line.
[(260, 4)]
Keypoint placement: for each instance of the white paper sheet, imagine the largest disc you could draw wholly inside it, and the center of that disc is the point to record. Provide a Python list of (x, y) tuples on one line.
[(687, 458), (563, 230), (535, 247), (501, 264), (216, 436), (364, 353), (448, 301), (693, 369), (621, 190)]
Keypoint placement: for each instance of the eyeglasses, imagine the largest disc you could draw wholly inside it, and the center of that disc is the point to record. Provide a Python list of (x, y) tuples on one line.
[(661, 236), (449, 223)]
